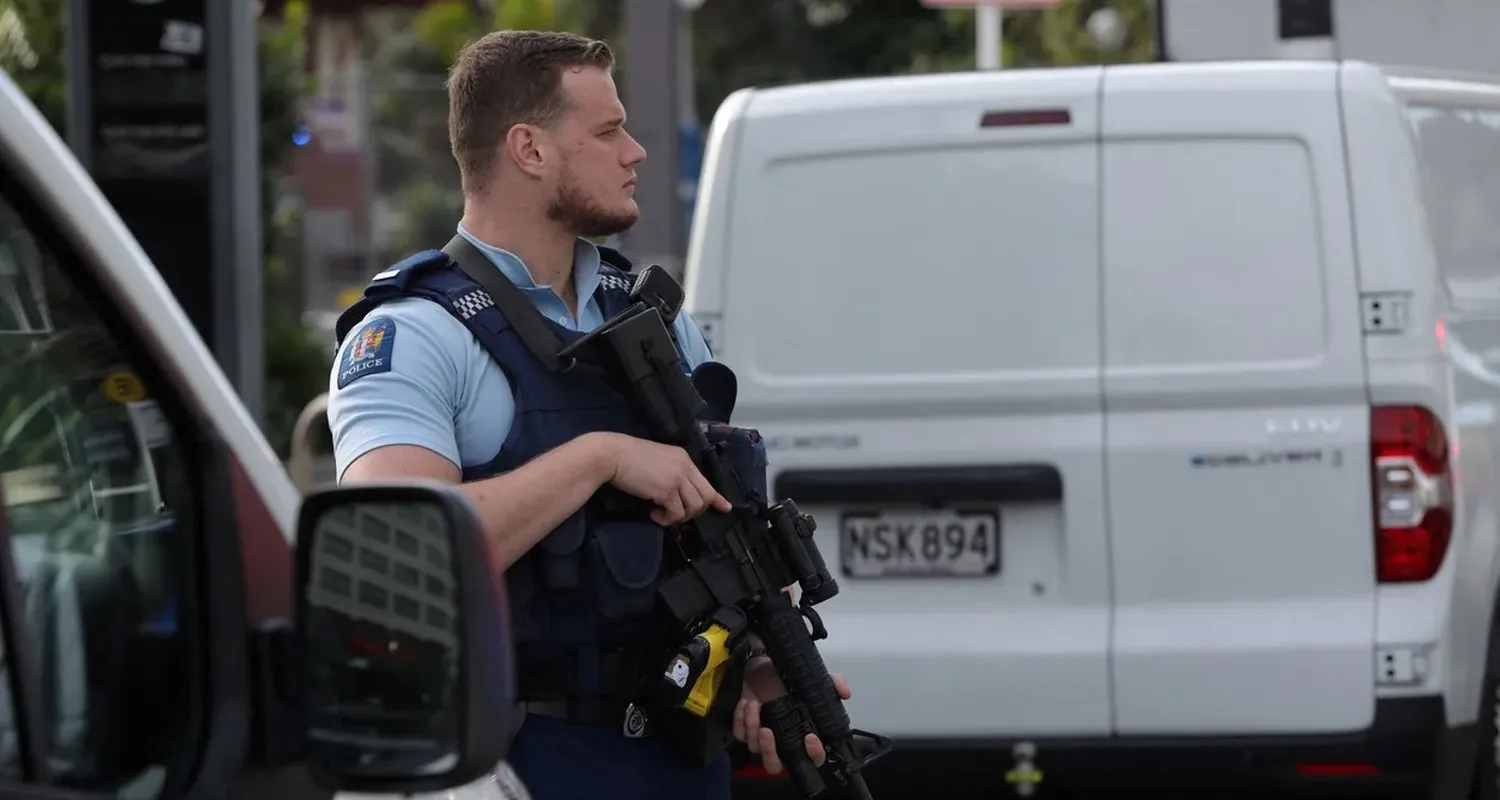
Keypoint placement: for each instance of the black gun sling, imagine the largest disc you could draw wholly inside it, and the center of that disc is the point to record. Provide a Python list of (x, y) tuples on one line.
[(534, 329)]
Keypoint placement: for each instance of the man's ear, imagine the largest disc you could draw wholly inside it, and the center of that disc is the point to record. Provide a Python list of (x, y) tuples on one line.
[(524, 145)]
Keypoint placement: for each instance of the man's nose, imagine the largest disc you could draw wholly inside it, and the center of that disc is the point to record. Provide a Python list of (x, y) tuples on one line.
[(635, 154)]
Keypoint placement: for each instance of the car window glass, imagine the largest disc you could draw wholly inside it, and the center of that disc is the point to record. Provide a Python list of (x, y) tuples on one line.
[(1460, 155), (95, 498)]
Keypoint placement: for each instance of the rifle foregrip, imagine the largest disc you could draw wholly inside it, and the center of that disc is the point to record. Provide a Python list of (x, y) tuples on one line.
[(786, 718), (801, 666)]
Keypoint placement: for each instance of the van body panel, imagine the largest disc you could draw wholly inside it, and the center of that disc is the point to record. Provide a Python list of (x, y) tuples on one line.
[(1019, 653), (832, 239), (1397, 253), (712, 239), (1237, 427)]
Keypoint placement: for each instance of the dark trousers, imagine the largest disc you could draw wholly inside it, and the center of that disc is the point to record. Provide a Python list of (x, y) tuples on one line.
[(562, 761)]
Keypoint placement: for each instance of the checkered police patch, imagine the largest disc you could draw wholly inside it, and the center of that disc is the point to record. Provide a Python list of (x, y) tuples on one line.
[(368, 351), (473, 303), (616, 282)]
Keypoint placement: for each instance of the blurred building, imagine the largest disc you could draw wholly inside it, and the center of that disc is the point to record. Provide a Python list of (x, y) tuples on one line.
[(386, 566), (1456, 35), (346, 224)]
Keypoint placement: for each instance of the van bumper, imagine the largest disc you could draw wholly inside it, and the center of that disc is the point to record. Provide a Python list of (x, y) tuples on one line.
[(1409, 751)]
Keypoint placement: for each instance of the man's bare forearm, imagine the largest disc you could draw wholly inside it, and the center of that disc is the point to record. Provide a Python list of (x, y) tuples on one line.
[(521, 507)]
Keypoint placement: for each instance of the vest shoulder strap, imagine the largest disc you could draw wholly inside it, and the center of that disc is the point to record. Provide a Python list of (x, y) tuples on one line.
[(388, 284), (533, 329)]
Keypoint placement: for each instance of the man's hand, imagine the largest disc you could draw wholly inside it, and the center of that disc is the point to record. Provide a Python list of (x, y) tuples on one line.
[(763, 685), (662, 474)]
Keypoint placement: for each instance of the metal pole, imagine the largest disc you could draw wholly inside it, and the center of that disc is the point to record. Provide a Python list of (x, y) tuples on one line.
[(987, 36), (234, 133), (371, 147), (687, 81), (80, 119), (651, 41)]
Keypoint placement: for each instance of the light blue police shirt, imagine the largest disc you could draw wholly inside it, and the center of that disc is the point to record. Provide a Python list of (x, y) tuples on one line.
[(434, 386)]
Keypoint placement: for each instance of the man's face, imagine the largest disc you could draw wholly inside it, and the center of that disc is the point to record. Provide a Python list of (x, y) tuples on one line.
[(593, 185)]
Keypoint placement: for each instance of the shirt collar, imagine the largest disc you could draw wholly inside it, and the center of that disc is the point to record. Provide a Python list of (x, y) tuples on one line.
[(586, 264)]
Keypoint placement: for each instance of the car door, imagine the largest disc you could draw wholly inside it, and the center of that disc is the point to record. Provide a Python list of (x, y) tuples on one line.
[(932, 394), (134, 495), (116, 561), (1236, 445)]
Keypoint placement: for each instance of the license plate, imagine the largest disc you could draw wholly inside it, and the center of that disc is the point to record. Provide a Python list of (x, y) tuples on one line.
[(940, 543)]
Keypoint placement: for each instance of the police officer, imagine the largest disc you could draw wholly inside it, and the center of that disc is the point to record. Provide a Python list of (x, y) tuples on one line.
[(432, 380)]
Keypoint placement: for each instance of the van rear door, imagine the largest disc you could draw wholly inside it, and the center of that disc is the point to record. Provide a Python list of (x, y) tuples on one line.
[(911, 302), (1238, 427)]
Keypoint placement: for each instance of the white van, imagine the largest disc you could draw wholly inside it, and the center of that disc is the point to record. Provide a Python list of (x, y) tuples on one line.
[(1153, 433)]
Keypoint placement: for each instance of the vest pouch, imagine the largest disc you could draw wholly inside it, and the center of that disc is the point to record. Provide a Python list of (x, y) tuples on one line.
[(558, 554), (528, 616), (624, 558), (552, 566)]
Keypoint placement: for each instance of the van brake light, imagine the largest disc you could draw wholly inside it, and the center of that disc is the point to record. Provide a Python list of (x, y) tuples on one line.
[(1412, 479), (1011, 119)]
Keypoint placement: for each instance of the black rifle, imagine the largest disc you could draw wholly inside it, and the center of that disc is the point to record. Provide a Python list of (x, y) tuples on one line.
[(738, 563)]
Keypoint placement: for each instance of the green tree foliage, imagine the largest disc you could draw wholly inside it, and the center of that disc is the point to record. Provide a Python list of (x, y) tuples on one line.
[(741, 43), (445, 26), (1058, 37), (409, 55), (414, 169), (32, 34), (32, 51), (763, 42), (297, 362)]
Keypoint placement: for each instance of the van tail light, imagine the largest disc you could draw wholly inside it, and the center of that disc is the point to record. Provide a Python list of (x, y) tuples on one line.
[(754, 772), (1413, 482)]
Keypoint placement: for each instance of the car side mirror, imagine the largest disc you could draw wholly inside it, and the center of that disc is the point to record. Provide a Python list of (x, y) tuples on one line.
[(407, 668)]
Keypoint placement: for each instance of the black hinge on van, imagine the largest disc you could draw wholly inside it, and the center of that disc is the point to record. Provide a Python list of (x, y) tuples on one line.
[(1385, 312)]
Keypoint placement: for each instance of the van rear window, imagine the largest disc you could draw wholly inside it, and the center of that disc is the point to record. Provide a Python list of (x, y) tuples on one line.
[(918, 262)]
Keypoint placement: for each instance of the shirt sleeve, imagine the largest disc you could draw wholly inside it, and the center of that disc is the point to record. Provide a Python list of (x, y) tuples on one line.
[(398, 380), (694, 348)]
